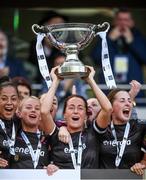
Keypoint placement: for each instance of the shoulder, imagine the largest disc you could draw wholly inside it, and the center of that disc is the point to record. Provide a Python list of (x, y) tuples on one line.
[(138, 124), (138, 121)]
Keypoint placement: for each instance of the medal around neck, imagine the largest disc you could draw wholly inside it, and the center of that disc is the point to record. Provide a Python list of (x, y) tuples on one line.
[(70, 38)]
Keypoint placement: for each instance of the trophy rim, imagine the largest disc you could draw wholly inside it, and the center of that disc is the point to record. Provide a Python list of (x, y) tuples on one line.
[(67, 25)]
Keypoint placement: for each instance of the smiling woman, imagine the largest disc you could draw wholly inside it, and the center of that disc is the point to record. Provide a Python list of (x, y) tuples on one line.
[(8, 124), (31, 147)]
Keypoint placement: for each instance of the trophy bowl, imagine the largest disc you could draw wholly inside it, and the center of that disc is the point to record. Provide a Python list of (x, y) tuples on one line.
[(70, 38)]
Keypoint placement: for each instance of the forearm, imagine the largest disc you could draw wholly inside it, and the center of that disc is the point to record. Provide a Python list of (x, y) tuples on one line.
[(101, 97), (46, 103), (103, 117)]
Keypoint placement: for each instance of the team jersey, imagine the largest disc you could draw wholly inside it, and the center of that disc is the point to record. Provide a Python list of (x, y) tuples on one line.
[(22, 158), (132, 153), (6, 134), (61, 153)]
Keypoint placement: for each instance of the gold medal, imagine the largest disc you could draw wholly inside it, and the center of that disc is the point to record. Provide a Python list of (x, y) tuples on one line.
[(16, 157)]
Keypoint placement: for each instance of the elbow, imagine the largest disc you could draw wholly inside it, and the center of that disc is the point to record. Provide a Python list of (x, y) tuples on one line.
[(109, 109)]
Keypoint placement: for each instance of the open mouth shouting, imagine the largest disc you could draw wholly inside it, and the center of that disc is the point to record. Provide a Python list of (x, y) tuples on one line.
[(126, 112), (75, 118)]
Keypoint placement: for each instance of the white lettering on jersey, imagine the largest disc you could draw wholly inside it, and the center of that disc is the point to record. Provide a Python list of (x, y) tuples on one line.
[(67, 150), (26, 151), (115, 143)]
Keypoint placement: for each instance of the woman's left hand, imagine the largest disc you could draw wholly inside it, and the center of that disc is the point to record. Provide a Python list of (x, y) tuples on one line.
[(91, 73)]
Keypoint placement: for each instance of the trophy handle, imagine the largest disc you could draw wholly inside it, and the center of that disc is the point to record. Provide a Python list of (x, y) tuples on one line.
[(101, 27), (39, 29), (42, 29)]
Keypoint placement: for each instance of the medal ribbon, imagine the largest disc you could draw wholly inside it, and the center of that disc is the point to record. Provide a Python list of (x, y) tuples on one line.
[(11, 141), (35, 156), (120, 150), (76, 163)]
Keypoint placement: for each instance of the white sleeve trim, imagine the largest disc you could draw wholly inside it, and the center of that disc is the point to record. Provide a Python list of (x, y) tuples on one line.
[(98, 130), (53, 130), (143, 150)]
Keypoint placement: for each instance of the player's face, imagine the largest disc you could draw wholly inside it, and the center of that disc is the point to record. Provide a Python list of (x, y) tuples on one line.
[(93, 108), (30, 112), (122, 107), (75, 114), (23, 91), (8, 102)]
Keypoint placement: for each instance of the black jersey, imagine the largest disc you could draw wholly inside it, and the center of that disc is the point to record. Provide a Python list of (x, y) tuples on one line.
[(22, 158), (132, 153), (61, 155), (4, 143)]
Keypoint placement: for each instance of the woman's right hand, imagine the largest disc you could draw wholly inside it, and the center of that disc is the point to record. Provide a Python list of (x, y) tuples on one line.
[(64, 135), (3, 162), (51, 169), (54, 73)]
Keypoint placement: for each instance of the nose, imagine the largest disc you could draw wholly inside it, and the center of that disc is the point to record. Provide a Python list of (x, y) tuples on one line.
[(128, 103), (9, 101), (76, 110), (33, 109)]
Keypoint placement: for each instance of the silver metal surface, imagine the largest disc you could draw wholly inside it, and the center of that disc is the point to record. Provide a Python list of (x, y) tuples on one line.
[(70, 38)]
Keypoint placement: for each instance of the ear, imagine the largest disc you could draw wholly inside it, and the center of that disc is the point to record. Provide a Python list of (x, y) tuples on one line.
[(18, 113)]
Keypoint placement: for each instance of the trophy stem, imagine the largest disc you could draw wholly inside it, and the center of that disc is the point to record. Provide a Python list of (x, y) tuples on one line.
[(72, 56), (72, 67)]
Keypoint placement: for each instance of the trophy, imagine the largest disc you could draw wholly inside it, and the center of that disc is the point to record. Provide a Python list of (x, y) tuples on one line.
[(70, 38)]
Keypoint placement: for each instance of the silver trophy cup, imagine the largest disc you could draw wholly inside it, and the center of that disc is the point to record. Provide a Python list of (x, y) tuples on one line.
[(70, 38)]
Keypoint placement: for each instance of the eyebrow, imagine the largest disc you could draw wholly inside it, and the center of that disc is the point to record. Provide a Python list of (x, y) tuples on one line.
[(124, 98), (77, 105), (7, 95)]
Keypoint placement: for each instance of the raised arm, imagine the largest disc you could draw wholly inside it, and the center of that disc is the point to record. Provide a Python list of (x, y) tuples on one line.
[(46, 104), (135, 89), (103, 117)]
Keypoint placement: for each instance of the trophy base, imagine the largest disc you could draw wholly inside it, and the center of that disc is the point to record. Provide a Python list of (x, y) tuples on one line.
[(73, 71)]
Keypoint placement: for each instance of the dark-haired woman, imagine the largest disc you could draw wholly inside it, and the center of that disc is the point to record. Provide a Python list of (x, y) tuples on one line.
[(121, 144), (82, 150), (8, 124)]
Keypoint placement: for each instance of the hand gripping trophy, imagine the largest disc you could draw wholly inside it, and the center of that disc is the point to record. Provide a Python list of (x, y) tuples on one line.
[(70, 38)]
